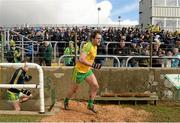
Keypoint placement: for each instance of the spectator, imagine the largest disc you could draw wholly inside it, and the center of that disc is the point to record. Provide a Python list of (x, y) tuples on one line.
[(144, 52), (41, 52), (134, 50), (70, 50), (157, 52), (177, 43), (47, 53), (121, 50), (166, 61), (30, 51), (175, 62), (14, 54)]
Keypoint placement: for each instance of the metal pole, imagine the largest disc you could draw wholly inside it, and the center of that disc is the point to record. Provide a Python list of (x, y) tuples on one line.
[(32, 52), (151, 48), (2, 47), (98, 15), (7, 38), (75, 47), (22, 53), (119, 19), (55, 48), (19, 86), (98, 18)]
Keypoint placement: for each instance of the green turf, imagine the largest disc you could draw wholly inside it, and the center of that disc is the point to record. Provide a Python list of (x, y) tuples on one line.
[(20, 118), (163, 112)]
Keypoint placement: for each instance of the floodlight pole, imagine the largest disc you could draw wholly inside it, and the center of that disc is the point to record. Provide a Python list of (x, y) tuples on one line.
[(119, 20), (99, 9)]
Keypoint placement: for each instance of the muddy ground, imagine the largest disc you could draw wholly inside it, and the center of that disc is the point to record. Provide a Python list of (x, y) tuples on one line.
[(106, 113)]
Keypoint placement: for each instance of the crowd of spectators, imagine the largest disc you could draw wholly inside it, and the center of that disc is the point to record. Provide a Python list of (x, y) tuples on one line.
[(129, 41)]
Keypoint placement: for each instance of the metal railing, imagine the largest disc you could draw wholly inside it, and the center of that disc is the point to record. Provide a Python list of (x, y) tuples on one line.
[(153, 57), (63, 42), (117, 58), (55, 47), (101, 56), (108, 43), (7, 39)]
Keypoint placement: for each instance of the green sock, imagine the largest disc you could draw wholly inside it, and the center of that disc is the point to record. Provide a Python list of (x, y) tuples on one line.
[(90, 103), (66, 100)]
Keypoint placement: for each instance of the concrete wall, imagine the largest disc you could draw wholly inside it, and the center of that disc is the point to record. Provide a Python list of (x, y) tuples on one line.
[(120, 80), (57, 81)]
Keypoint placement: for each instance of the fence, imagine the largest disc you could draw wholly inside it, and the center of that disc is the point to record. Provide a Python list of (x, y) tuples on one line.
[(57, 45), (128, 58), (101, 56), (153, 57)]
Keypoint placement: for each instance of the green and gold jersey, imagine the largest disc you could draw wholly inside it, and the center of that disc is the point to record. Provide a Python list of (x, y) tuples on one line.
[(90, 50)]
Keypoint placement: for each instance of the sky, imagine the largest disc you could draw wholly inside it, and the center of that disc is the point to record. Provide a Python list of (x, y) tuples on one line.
[(68, 12), (127, 9)]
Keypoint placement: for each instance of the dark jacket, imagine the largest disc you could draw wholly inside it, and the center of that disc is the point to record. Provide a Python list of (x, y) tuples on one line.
[(48, 53), (18, 78)]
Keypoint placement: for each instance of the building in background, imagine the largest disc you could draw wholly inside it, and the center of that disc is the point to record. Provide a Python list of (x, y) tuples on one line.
[(165, 13)]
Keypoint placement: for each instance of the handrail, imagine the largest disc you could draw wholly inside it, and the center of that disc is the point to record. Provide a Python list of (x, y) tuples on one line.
[(115, 42), (107, 44), (22, 36), (102, 56), (55, 47), (154, 57), (33, 51)]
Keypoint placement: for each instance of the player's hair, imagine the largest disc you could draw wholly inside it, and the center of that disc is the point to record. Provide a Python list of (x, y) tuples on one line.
[(94, 33)]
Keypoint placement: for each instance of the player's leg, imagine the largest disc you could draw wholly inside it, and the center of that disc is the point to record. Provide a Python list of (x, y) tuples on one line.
[(72, 90), (94, 86), (16, 106), (24, 97), (13, 98)]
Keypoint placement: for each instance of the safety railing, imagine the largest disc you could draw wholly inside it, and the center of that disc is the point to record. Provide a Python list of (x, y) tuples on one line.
[(23, 46), (119, 57), (153, 57), (64, 42), (55, 47), (108, 43), (40, 86), (101, 56), (7, 39)]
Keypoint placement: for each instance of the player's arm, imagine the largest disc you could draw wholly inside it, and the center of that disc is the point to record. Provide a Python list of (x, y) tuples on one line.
[(86, 50), (83, 60)]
